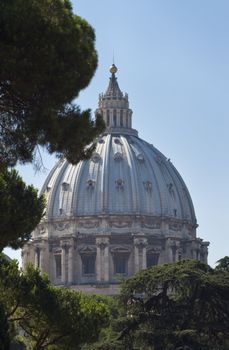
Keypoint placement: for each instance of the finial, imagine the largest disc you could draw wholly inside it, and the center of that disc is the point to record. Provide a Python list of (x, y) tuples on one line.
[(113, 69)]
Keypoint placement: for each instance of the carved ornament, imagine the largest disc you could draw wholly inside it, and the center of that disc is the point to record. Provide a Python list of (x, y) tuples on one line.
[(140, 242), (61, 226), (102, 242), (150, 223), (120, 224), (42, 229), (175, 227), (89, 223)]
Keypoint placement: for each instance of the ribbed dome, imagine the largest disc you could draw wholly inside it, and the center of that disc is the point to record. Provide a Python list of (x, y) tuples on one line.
[(125, 175), (125, 209)]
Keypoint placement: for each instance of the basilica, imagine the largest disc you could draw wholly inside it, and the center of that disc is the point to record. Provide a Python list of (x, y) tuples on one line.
[(125, 209)]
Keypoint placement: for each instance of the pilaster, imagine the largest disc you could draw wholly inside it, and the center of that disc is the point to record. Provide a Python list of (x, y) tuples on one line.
[(140, 244), (102, 259)]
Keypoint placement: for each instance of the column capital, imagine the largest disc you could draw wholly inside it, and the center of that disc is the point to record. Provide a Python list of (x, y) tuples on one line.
[(65, 244), (140, 242), (102, 242)]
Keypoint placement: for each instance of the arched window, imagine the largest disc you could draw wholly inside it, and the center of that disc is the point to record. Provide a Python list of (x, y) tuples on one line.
[(114, 117), (121, 117), (108, 117)]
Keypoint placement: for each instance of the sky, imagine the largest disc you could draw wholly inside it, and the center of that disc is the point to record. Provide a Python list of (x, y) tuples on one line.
[(173, 61)]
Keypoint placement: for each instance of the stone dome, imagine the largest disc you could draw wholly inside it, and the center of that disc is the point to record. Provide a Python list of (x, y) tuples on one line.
[(125, 209), (125, 176)]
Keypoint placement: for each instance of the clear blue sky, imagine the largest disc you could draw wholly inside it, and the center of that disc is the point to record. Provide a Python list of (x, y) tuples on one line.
[(173, 60)]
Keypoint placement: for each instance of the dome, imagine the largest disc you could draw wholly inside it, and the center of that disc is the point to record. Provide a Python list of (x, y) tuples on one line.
[(125, 209), (125, 176)]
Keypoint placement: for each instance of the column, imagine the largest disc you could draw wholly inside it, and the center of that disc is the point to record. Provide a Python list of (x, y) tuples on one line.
[(98, 262), (24, 255), (140, 243), (70, 264), (42, 250), (102, 259), (144, 257), (136, 257), (63, 264), (52, 267), (37, 258), (106, 263), (169, 250)]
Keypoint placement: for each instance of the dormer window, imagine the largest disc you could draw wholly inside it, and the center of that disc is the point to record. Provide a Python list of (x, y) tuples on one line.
[(148, 185), (90, 183), (65, 186), (119, 184)]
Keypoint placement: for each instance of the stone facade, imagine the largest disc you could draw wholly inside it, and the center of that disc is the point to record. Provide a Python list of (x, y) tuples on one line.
[(124, 210)]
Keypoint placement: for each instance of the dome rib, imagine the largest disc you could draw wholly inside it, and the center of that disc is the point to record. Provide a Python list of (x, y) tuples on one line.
[(188, 197), (132, 175), (78, 170), (105, 177), (126, 176), (54, 202)]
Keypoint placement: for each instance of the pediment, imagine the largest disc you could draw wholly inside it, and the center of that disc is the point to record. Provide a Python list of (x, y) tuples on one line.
[(120, 249), (87, 250)]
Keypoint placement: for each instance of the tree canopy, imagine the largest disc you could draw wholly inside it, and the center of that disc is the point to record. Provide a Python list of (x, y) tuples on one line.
[(20, 209), (47, 317), (223, 264), (178, 306), (47, 56)]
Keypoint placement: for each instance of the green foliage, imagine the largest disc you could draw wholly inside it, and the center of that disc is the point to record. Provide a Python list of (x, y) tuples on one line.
[(47, 57), (177, 306), (4, 330), (20, 209), (108, 336), (223, 264), (50, 317)]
